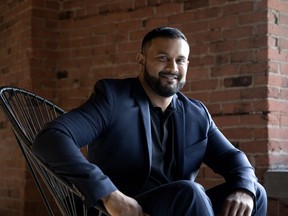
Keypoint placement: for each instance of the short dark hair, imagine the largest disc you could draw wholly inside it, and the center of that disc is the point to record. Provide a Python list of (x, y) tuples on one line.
[(167, 32)]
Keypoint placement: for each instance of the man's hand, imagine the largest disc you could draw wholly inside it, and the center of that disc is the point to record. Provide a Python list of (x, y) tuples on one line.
[(118, 204), (239, 203)]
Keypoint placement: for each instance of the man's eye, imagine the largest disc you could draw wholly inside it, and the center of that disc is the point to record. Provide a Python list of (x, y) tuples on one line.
[(162, 58), (181, 61)]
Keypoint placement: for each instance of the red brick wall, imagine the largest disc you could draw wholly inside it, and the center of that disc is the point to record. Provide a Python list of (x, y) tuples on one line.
[(277, 94), (278, 83), (14, 70), (58, 49)]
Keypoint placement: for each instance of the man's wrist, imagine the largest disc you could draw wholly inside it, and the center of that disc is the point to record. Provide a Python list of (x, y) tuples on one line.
[(105, 199), (243, 190)]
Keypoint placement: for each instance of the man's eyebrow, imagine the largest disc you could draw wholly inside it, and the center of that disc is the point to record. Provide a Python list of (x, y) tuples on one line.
[(162, 53), (181, 56), (165, 53)]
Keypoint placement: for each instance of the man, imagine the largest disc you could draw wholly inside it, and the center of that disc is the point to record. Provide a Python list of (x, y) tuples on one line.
[(147, 141)]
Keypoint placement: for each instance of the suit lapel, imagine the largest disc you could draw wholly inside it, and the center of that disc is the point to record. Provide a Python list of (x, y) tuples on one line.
[(179, 139), (143, 103)]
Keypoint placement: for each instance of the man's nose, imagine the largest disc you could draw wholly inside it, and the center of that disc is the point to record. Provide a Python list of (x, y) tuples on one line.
[(172, 66)]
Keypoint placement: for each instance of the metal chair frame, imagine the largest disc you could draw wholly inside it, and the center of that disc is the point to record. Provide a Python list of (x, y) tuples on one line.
[(28, 113)]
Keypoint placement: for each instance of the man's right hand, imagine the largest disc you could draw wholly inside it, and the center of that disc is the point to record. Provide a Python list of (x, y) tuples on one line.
[(118, 204)]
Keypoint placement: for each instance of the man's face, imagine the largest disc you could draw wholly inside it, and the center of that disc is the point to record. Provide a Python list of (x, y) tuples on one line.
[(165, 64)]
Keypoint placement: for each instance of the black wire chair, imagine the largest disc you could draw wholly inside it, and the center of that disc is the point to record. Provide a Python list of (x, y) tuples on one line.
[(28, 113)]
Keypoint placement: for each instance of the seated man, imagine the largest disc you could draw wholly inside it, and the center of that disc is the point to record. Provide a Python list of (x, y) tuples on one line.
[(146, 142)]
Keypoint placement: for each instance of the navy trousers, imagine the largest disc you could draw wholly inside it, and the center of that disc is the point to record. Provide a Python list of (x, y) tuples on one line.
[(185, 198)]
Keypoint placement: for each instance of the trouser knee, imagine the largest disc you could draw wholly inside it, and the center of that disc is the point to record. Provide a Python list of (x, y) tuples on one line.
[(196, 200), (182, 197), (191, 188)]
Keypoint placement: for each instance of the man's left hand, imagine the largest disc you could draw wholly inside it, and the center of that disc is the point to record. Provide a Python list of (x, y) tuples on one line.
[(239, 203)]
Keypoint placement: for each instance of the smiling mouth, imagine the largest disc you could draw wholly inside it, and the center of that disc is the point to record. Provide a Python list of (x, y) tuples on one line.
[(169, 76)]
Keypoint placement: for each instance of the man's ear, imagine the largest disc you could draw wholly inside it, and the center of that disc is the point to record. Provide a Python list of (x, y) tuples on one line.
[(140, 58)]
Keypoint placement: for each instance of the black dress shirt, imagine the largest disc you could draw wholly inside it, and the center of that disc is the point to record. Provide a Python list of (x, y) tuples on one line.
[(163, 162)]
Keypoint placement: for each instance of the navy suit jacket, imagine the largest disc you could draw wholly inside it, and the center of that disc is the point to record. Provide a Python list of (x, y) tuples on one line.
[(115, 124)]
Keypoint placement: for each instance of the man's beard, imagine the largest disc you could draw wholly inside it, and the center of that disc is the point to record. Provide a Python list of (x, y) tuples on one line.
[(163, 90)]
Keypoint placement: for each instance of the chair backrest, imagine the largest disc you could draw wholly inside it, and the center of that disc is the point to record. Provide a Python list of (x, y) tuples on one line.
[(28, 113)]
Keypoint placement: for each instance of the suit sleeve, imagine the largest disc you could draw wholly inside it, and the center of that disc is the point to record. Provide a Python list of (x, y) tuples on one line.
[(229, 161), (60, 141)]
